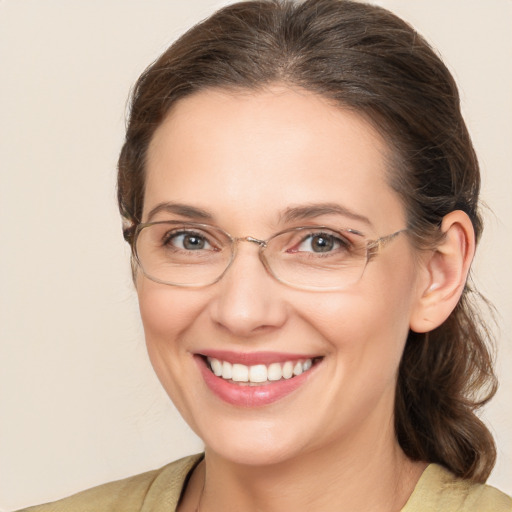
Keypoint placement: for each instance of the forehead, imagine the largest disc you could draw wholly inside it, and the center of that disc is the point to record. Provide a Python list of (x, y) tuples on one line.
[(257, 153)]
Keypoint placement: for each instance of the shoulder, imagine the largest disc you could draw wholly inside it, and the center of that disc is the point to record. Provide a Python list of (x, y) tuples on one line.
[(438, 489), (154, 490)]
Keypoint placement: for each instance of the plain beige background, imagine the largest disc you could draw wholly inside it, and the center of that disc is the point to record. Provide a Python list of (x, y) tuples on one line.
[(79, 404)]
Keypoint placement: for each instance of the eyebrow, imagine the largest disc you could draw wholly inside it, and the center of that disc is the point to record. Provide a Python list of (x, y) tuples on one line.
[(310, 211), (183, 210), (291, 214)]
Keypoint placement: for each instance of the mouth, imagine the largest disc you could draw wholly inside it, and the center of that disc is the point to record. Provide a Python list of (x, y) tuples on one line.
[(259, 374), (253, 380)]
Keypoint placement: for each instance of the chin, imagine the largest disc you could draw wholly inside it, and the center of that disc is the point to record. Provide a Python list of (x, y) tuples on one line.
[(256, 441), (253, 452)]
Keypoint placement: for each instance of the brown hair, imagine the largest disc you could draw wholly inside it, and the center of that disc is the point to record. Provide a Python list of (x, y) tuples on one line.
[(366, 59)]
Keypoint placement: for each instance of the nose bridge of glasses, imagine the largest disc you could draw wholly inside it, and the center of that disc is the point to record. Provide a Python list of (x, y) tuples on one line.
[(261, 243)]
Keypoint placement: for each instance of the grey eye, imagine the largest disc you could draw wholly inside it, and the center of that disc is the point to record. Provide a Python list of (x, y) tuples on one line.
[(189, 241), (321, 242)]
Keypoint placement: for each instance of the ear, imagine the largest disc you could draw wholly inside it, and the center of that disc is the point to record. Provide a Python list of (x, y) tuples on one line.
[(444, 273)]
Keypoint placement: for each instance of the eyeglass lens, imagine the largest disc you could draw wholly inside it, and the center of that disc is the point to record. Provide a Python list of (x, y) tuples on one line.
[(188, 254)]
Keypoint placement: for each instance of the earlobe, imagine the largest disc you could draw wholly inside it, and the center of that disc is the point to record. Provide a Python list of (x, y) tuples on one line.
[(445, 271)]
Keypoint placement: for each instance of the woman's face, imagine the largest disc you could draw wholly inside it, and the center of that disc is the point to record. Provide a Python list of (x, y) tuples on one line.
[(256, 163)]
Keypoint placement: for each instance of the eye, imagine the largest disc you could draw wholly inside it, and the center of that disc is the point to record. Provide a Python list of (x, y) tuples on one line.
[(322, 242), (188, 241)]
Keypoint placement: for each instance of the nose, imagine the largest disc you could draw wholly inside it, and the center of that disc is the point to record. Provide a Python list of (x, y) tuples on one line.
[(248, 301)]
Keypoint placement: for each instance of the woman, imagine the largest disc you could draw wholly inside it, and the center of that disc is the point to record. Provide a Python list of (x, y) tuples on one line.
[(301, 198)]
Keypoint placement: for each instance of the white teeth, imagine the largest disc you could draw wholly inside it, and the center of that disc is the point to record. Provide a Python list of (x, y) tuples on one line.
[(216, 367), (275, 372), (227, 370), (240, 373), (258, 373), (287, 370)]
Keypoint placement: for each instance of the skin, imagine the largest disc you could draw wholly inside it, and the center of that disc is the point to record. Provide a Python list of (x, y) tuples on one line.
[(245, 157)]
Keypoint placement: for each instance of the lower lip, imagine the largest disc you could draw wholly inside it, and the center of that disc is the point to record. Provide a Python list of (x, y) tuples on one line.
[(244, 395)]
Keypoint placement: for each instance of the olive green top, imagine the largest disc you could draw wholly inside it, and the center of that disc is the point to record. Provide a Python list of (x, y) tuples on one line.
[(160, 490)]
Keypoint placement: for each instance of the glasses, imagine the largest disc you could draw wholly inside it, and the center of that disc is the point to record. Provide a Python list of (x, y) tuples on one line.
[(188, 254)]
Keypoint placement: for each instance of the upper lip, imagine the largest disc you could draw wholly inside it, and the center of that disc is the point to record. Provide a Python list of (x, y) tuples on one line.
[(252, 358)]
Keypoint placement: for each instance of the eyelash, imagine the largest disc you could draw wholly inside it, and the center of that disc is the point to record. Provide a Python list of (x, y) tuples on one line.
[(208, 242), (172, 235), (338, 242)]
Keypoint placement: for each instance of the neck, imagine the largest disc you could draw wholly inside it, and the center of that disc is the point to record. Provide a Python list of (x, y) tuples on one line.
[(380, 479)]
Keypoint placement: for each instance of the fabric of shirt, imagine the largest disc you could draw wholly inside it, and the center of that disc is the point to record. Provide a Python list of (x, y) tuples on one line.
[(160, 491)]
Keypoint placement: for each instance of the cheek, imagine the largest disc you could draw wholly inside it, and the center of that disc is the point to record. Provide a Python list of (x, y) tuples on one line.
[(166, 311), (166, 314), (369, 324), (359, 316)]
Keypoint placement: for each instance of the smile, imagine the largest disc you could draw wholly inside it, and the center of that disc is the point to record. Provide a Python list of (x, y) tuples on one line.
[(257, 379), (259, 373)]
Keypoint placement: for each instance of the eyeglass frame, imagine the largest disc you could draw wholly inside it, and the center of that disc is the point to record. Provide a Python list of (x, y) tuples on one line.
[(373, 247)]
